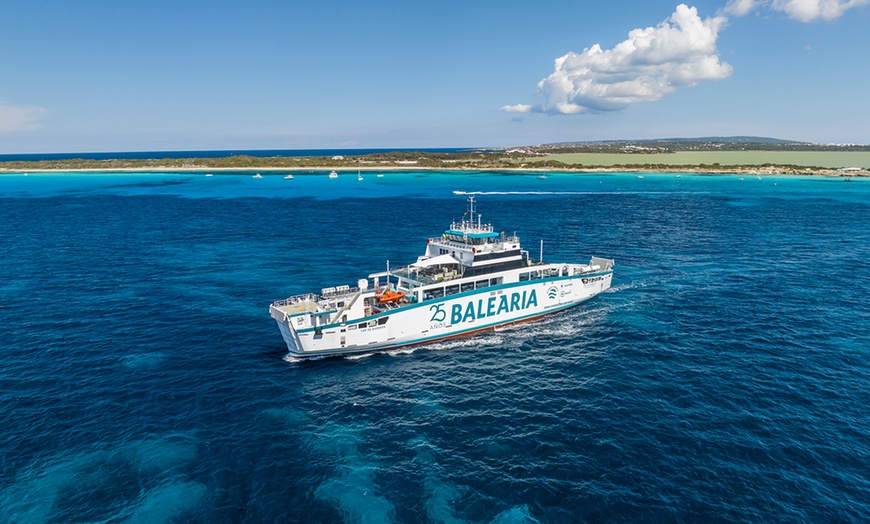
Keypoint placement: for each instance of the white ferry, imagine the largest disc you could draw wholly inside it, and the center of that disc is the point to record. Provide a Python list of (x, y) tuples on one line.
[(470, 279)]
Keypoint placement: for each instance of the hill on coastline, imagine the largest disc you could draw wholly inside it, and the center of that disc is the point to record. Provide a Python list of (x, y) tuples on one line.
[(712, 143)]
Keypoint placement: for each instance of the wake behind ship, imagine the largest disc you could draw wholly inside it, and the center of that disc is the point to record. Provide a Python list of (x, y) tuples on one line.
[(470, 279)]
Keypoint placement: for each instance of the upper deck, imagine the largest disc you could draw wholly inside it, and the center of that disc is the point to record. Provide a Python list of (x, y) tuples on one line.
[(468, 255)]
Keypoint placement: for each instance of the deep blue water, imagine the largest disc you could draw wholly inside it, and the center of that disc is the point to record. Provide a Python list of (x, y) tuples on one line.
[(725, 377), (263, 153)]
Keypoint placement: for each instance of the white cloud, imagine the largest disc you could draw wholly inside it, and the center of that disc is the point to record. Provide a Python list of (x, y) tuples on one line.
[(517, 108), (656, 61), (809, 10), (652, 62), (740, 7), (20, 118)]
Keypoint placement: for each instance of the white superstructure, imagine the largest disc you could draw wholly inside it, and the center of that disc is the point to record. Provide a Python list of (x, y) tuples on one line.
[(470, 279)]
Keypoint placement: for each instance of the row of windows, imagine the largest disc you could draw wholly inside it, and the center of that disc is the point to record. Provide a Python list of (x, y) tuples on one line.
[(369, 323), (544, 273), (440, 292), (475, 241)]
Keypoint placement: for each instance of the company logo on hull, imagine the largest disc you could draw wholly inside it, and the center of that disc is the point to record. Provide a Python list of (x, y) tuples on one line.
[(492, 306)]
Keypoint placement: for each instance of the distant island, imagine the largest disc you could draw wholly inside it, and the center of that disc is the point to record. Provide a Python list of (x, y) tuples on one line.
[(751, 155)]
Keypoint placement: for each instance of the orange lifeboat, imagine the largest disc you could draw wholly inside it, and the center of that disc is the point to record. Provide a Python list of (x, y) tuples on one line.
[(390, 296)]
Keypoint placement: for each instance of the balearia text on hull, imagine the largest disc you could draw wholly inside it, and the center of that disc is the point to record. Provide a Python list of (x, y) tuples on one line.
[(470, 279)]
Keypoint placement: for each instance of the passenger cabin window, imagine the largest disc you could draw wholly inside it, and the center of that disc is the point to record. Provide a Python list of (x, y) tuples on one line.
[(451, 290), (495, 281), (524, 277), (467, 287), (482, 284)]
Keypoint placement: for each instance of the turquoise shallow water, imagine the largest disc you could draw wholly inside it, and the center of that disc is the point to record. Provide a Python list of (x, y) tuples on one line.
[(723, 378)]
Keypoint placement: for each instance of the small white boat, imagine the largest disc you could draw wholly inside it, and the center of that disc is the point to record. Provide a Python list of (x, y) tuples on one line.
[(380, 175), (543, 177), (679, 176), (333, 175), (288, 176), (258, 175), (639, 176), (358, 176), (208, 174), (757, 177)]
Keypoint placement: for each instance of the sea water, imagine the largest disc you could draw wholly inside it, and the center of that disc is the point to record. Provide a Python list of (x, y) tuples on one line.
[(724, 377)]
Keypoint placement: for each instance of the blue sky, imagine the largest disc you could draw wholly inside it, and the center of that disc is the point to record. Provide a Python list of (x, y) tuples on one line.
[(159, 75)]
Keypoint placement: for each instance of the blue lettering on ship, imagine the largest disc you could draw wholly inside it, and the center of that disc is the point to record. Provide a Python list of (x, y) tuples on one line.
[(439, 314), (475, 309)]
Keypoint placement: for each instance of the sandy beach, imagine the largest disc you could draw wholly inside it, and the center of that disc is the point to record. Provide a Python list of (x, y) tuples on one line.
[(706, 170)]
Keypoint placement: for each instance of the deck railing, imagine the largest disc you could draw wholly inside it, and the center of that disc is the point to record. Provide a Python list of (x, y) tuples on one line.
[(296, 299)]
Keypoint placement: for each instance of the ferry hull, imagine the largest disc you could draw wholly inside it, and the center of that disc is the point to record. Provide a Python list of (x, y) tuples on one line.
[(454, 316)]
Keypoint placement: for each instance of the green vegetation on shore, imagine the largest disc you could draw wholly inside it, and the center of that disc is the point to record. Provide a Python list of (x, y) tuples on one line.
[(674, 145), (474, 160), (701, 157)]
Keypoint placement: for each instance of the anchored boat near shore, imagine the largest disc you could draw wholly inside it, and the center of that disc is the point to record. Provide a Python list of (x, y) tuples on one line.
[(470, 279)]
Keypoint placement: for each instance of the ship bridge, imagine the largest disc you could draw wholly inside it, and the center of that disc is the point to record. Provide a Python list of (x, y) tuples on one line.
[(475, 247)]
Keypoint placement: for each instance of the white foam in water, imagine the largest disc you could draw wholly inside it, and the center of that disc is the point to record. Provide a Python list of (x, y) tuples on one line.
[(407, 350), (360, 356), (293, 360), (477, 340), (574, 192)]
